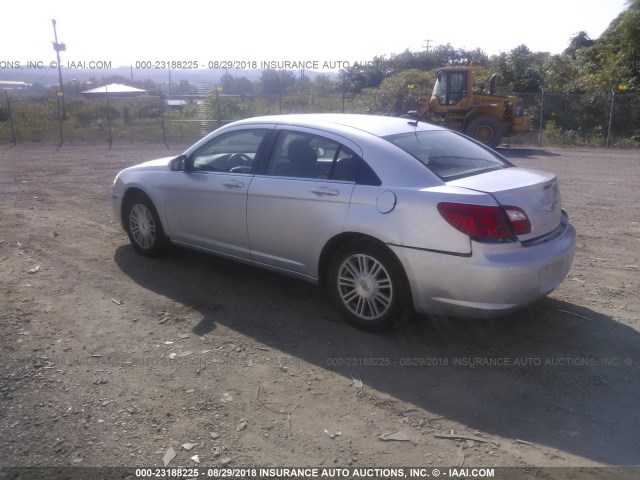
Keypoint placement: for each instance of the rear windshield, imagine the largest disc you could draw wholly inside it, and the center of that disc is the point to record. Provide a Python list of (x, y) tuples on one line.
[(447, 154)]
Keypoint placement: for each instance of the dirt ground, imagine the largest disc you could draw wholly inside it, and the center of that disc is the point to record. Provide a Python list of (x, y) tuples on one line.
[(109, 359)]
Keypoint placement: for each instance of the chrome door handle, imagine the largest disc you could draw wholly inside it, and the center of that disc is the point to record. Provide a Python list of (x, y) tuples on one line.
[(233, 184), (325, 191)]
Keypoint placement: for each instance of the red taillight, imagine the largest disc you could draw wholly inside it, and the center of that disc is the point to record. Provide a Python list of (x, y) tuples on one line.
[(485, 222)]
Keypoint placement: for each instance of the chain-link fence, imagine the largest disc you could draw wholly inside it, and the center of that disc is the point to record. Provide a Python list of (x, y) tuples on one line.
[(599, 120), (593, 120)]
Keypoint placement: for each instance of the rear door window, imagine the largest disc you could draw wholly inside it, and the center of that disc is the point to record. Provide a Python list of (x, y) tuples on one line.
[(447, 154), (304, 155)]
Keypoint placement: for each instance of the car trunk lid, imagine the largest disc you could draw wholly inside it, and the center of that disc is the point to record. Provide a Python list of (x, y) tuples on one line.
[(535, 192)]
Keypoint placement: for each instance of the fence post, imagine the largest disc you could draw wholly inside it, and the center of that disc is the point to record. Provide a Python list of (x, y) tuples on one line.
[(59, 119), (613, 102), (218, 106), (541, 118), (109, 120), (164, 130), (13, 129)]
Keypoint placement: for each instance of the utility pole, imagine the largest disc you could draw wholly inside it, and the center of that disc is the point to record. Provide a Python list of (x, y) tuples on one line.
[(428, 40), (59, 47)]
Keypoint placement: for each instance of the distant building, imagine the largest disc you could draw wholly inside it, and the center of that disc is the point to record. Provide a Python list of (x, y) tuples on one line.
[(113, 90), (176, 104)]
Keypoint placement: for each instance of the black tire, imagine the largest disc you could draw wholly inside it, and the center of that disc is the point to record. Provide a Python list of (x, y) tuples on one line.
[(143, 226), (368, 286), (485, 130)]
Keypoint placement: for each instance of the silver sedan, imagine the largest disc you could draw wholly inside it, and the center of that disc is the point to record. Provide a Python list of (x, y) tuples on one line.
[(391, 215)]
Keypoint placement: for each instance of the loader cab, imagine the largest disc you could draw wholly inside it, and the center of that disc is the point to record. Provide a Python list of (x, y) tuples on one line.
[(451, 87)]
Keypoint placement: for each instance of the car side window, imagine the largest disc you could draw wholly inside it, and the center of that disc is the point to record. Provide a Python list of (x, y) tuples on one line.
[(232, 152), (303, 155)]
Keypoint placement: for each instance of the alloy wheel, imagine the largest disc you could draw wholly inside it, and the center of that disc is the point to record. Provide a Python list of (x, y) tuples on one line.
[(365, 286), (143, 226)]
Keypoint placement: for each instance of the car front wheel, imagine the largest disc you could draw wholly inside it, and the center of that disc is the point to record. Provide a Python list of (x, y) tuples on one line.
[(367, 286), (143, 226)]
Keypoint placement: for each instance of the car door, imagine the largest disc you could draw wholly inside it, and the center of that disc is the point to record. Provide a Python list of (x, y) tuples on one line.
[(302, 198), (206, 203)]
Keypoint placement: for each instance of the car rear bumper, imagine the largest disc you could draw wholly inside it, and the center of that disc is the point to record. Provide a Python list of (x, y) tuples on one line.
[(496, 278)]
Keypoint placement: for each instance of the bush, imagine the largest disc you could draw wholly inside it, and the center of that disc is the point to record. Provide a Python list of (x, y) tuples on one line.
[(556, 137)]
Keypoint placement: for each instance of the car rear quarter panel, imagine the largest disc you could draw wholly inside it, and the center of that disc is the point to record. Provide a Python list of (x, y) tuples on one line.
[(415, 221)]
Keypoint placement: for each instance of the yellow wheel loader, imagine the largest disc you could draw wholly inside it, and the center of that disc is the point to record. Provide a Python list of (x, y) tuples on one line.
[(484, 116)]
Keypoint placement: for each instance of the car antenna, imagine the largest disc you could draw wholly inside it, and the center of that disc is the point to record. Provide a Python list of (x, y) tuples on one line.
[(421, 116)]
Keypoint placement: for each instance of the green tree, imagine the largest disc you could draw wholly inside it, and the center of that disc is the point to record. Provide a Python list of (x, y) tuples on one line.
[(237, 85), (578, 41), (302, 84), (360, 76), (614, 58), (276, 81), (520, 70), (323, 85), (448, 56), (397, 94)]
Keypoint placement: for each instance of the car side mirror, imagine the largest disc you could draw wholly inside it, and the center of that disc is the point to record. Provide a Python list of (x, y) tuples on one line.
[(178, 163)]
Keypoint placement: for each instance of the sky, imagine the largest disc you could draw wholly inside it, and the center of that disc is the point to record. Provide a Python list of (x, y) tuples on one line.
[(320, 33)]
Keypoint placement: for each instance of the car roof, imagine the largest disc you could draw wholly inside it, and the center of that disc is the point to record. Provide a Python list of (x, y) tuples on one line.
[(377, 125)]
